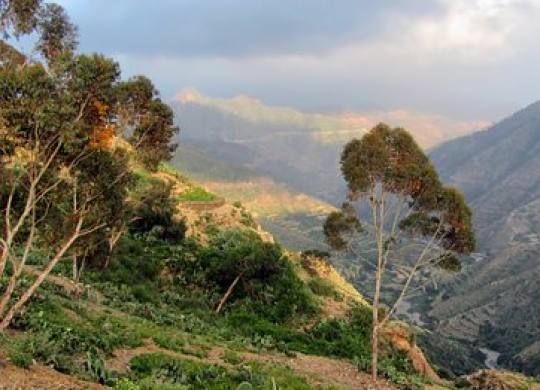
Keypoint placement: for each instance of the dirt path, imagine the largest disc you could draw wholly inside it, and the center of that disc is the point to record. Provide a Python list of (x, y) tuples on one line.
[(318, 371), (39, 378)]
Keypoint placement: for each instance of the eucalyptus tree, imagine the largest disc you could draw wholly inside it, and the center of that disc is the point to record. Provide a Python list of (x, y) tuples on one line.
[(390, 179), (63, 175)]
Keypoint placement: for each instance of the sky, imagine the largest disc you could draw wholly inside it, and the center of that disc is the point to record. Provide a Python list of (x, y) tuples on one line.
[(465, 59)]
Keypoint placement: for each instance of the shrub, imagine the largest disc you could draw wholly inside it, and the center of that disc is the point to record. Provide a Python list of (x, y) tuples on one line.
[(166, 341), (19, 356), (321, 287), (156, 208)]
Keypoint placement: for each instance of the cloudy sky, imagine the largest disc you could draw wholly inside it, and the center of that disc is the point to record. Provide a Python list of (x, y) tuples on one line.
[(467, 59)]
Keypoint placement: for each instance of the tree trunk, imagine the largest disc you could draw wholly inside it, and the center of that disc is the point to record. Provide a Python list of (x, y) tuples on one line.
[(375, 329), (8, 293), (28, 293), (229, 292), (378, 223), (112, 240)]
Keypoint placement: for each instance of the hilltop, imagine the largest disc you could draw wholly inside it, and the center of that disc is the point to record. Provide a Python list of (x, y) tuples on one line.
[(430, 130)]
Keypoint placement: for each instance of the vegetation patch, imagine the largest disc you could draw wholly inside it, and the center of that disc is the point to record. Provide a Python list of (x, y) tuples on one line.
[(197, 194), (176, 371)]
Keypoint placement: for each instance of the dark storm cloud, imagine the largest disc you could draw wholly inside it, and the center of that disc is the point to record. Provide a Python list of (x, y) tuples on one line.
[(234, 28)]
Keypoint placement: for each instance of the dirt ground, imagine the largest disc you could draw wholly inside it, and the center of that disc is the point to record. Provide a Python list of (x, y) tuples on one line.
[(39, 378)]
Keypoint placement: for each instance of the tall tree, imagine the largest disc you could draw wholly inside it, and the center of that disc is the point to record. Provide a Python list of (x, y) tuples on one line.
[(62, 175), (61, 183), (390, 179)]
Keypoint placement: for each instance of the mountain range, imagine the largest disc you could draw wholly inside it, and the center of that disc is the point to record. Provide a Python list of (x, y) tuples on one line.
[(498, 302), (295, 148)]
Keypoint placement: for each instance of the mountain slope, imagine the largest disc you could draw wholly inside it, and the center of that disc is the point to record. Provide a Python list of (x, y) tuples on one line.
[(295, 219), (498, 171), (498, 301)]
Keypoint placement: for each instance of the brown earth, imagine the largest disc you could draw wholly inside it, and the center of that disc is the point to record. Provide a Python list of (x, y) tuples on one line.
[(38, 377), (400, 338)]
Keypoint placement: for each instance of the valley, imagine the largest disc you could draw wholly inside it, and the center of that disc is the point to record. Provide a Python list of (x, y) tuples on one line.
[(341, 209), (291, 181)]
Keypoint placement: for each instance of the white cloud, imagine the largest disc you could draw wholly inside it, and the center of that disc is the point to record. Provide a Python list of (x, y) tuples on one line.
[(476, 32)]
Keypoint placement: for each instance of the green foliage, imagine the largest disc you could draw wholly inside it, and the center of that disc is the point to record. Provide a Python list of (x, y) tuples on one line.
[(322, 287), (151, 119), (166, 367), (197, 194), (126, 384), (155, 212), (21, 16), (168, 342), (388, 161), (232, 357), (137, 262), (97, 371), (55, 33), (56, 339), (244, 386), (339, 224), (18, 355), (175, 371), (268, 282)]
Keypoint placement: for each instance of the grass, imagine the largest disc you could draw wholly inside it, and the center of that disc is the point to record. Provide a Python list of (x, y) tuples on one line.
[(197, 194)]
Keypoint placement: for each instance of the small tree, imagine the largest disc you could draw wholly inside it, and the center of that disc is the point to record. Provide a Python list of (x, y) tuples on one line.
[(239, 255), (390, 179)]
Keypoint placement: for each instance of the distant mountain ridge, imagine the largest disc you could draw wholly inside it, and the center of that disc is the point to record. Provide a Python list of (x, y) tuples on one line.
[(428, 129), (298, 149)]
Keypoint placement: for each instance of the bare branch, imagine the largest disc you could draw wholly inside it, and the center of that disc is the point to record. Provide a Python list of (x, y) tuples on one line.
[(412, 273)]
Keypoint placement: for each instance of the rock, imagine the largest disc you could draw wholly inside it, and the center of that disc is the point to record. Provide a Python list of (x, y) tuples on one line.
[(492, 380)]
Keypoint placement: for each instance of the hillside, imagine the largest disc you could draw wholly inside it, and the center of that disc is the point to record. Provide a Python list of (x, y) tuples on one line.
[(496, 304), (147, 320), (295, 219)]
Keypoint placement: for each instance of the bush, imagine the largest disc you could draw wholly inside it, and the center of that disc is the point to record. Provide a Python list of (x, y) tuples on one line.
[(321, 287), (268, 283), (57, 340), (19, 357), (155, 207), (166, 341)]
